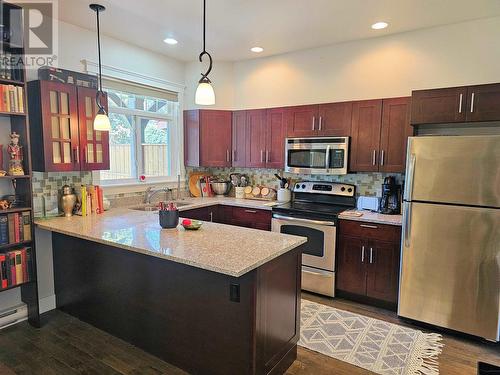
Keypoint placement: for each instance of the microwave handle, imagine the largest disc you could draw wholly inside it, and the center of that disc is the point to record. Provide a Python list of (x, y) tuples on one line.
[(327, 161)]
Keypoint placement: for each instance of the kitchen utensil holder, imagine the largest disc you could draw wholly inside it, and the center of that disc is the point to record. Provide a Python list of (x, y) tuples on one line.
[(169, 219), (239, 192), (284, 195)]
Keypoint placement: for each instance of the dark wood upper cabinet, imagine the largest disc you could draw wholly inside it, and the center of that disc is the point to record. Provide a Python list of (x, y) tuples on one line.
[(483, 103), (334, 119), (94, 144), (439, 106), (365, 131), (62, 135), (394, 134), (207, 138), (239, 144), (301, 121), (192, 138), (275, 138), (256, 138)]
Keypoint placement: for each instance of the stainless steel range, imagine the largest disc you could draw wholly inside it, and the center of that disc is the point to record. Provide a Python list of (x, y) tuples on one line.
[(313, 214)]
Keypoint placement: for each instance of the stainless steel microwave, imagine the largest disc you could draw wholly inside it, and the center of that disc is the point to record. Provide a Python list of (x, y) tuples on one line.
[(317, 155)]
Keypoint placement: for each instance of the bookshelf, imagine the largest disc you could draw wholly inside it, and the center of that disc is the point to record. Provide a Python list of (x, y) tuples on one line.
[(21, 185)]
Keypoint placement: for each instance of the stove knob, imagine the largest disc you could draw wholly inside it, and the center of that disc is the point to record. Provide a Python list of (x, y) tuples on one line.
[(303, 186), (297, 186), (342, 188), (349, 190)]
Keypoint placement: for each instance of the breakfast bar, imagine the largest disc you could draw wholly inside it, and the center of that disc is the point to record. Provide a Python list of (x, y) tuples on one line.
[(220, 300)]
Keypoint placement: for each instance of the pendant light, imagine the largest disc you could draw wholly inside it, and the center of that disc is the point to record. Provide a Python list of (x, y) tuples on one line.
[(205, 94), (101, 121)]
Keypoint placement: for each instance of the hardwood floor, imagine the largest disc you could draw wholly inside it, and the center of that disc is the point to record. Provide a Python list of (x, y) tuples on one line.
[(67, 346)]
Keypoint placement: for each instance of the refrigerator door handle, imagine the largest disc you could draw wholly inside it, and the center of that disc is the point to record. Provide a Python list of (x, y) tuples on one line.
[(410, 175), (407, 223)]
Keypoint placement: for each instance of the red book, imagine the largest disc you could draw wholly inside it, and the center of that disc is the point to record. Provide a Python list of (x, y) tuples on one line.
[(16, 228), (12, 265), (3, 271), (24, 261), (100, 202)]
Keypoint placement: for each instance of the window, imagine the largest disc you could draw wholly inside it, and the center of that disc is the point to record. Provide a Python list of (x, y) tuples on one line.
[(144, 130)]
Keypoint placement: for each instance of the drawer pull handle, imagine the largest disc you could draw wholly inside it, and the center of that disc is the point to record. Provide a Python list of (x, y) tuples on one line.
[(251, 211), (368, 226)]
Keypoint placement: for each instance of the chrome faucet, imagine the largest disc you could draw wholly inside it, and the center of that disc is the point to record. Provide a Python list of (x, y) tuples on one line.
[(150, 193)]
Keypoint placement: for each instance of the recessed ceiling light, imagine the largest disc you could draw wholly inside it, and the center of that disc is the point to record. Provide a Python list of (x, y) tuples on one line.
[(170, 41), (257, 49), (379, 25)]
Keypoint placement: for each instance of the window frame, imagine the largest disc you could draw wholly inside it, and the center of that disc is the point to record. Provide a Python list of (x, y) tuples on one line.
[(176, 151)]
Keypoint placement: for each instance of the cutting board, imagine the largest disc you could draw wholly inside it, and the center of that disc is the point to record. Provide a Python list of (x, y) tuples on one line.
[(194, 184)]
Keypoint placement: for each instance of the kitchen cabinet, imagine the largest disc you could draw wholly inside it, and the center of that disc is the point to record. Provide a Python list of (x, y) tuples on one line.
[(365, 141), (207, 138), (256, 138), (239, 136), (368, 261), (379, 133), (275, 138), (330, 119), (231, 215), (456, 104), (62, 135)]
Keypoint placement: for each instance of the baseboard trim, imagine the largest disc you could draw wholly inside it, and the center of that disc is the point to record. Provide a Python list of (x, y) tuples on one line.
[(47, 303)]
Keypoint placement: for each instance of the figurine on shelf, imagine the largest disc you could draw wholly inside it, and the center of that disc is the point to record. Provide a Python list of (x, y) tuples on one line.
[(2, 172), (15, 151)]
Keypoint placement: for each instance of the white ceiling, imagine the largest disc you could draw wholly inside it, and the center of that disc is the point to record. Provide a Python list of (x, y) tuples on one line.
[(233, 26)]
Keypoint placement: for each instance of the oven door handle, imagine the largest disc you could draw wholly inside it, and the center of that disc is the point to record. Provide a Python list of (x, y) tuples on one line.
[(308, 221)]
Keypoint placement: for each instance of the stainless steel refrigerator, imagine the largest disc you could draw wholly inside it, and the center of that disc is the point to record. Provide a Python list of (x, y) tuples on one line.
[(450, 253)]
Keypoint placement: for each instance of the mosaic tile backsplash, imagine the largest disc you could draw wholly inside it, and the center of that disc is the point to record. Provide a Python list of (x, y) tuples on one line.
[(369, 184)]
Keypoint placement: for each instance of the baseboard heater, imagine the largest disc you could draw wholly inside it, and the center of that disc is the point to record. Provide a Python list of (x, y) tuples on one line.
[(13, 315)]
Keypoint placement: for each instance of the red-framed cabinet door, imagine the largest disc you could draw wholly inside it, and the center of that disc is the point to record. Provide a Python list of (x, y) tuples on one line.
[(60, 126), (94, 144)]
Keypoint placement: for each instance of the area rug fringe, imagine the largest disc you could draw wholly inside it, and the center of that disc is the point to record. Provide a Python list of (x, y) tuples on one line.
[(426, 352)]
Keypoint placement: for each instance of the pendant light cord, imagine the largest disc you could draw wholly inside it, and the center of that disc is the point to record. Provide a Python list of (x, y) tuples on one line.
[(204, 77), (99, 50)]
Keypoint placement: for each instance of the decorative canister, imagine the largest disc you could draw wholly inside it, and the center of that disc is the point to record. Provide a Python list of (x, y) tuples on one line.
[(68, 200), (284, 195), (239, 192)]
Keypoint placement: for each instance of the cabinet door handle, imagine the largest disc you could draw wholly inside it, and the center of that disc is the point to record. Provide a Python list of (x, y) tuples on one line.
[(460, 103), (382, 154), (262, 156), (368, 226), (211, 216), (267, 156), (76, 156), (371, 255), (227, 156), (472, 102), (234, 155), (314, 120), (320, 123), (251, 211), (374, 157), (363, 254)]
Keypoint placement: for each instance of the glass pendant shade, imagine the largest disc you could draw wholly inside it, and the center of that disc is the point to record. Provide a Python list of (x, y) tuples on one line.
[(101, 121), (205, 94)]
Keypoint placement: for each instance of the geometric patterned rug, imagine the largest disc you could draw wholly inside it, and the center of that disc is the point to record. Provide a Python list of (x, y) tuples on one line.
[(375, 345)]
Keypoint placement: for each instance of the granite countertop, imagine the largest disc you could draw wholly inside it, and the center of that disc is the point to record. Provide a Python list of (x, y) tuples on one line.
[(226, 201), (373, 217), (215, 247)]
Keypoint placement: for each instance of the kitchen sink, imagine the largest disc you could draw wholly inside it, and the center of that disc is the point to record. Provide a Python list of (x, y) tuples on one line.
[(153, 207)]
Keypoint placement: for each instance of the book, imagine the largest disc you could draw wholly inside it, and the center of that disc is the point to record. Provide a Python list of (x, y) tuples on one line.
[(17, 232), (24, 264), (84, 200), (4, 279), (29, 263), (26, 220), (12, 236), (4, 230), (19, 267), (12, 268)]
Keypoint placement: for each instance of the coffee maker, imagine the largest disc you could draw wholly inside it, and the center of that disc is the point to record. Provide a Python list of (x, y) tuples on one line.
[(390, 204)]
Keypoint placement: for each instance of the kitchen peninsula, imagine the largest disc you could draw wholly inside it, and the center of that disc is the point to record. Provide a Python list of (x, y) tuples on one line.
[(221, 300)]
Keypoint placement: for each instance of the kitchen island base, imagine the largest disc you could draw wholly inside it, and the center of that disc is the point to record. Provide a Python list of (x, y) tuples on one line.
[(201, 321)]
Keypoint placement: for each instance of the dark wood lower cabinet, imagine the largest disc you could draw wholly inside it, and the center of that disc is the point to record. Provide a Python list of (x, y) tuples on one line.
[(368, 262), (239, 216), (182, 314)]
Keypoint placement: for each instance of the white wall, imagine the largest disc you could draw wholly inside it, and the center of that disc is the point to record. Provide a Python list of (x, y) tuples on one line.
[(458, 54)]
